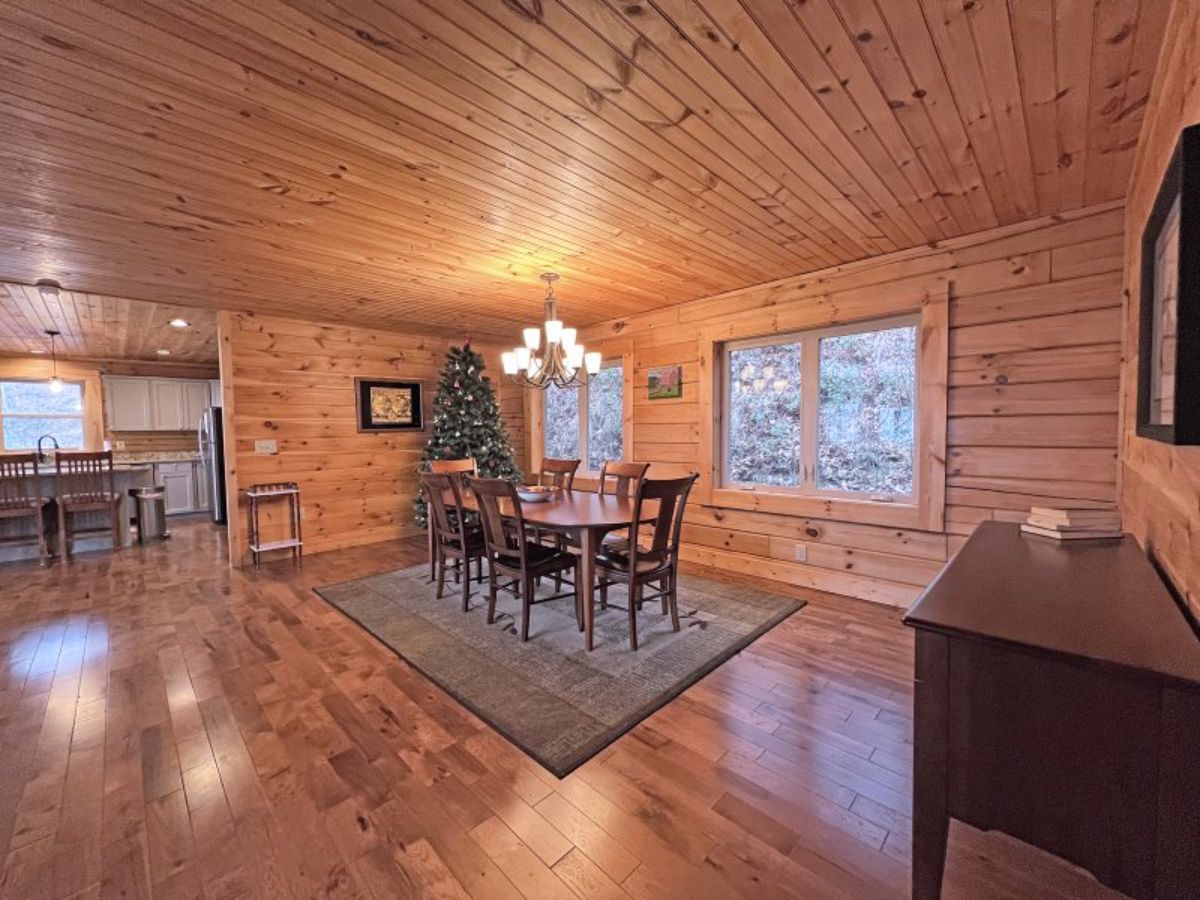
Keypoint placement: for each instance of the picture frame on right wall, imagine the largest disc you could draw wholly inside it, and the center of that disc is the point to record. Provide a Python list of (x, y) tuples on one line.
[(1168, 398)]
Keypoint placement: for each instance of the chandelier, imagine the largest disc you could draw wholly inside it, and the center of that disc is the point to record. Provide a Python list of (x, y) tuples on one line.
[(555, 359)]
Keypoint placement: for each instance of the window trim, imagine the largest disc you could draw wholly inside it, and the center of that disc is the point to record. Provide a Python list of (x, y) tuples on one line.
[(925, 510), (81, 415), (809, 340), (537, 417)]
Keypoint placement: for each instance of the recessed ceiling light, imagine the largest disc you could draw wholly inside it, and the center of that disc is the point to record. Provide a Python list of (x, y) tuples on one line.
[(180, 323), (163, 352), (38, 352)]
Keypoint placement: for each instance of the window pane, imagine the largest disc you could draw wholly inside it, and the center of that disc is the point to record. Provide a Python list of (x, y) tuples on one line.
[(36, 397), (605, 409), (867, 403), (23, 433), (562, 423), (763, 441)]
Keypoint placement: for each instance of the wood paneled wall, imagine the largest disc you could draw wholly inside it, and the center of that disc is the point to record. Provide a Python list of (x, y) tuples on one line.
[(293, 382), (1160, 497), (1033, 397)]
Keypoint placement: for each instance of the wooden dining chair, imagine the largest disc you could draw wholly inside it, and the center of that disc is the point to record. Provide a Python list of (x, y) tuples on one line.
[(460, 468), (21, 496), (456, 539), (658, 562), (559, 473), (86, 483), (620, 479), (511, 552)]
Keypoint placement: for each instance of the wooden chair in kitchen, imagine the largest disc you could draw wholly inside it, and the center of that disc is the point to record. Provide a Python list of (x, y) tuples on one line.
[(460, 468), (455, 538), (21, 497), (658, 562), (511, 553), (86, 483)]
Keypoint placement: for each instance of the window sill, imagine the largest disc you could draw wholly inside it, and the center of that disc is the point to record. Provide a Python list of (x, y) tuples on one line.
[(871, 512)]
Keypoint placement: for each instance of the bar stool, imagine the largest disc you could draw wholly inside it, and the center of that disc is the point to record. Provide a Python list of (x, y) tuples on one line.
[(20, 496), (258, 492)]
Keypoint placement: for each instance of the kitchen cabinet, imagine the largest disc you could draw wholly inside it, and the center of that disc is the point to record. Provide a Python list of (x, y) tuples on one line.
[(179, 480), (128, 403), (214, 388), (196, 397), (134, 403)]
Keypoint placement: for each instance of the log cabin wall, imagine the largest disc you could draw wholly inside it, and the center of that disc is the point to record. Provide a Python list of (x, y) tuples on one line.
[(1033, 397), (1160, 496), (293, 382)]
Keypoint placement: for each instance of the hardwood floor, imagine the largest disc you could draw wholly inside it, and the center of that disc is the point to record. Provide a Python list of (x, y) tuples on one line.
[(171, 729)]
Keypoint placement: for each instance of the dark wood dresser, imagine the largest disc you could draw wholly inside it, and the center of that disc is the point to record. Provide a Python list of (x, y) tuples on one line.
[(1058, 701)]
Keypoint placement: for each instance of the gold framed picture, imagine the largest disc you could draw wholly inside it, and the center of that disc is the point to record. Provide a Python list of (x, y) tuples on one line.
[(389, 405)]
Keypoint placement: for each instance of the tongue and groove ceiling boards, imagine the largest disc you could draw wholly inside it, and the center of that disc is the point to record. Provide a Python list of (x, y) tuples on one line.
[(417, 165), (94, 326)]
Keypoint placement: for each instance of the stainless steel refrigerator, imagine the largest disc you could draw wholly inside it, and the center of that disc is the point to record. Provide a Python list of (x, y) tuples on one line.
[(212, 459)]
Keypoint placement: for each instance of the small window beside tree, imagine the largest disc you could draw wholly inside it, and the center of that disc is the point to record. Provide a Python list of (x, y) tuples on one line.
[(29, 409), (587, 425), (830, 411)]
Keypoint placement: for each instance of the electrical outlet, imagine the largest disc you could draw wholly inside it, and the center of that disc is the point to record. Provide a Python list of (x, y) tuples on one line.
[(118, 445), (802, 553), (268, 447)]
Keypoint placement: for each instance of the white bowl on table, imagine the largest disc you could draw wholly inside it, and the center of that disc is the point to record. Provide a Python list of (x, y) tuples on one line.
[(535, 493)]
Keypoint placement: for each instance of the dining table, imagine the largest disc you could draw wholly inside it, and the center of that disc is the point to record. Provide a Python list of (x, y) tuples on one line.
[(582, 515)]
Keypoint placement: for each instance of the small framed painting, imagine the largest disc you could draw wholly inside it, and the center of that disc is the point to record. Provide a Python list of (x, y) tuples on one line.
[(666, 382), (389, 405), (1168, 407)]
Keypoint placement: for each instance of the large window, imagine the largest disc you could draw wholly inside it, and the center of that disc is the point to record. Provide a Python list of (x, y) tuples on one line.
[(587, 425), (29, 409), (831, 411)]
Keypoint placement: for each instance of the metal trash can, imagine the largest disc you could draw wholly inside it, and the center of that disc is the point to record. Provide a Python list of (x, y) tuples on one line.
[(151, 511)]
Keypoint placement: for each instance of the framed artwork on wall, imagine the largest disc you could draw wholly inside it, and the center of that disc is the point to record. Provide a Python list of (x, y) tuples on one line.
[(1168, 401), (665, 383), (388, 405)]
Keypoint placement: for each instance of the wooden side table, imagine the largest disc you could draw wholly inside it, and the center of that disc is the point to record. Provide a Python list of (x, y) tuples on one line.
[(258, 492)]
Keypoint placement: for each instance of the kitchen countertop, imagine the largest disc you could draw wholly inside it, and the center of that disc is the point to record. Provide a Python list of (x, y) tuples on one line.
[(155, 456)]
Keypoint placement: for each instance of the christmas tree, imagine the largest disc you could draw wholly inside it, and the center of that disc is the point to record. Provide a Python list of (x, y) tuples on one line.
[(466, 421)]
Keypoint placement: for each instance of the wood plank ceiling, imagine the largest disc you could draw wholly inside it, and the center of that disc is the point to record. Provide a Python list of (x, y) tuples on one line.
[(417, 164), (95, 326)]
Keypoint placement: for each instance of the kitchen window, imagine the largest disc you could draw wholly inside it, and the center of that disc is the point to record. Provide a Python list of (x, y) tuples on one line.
[(586, 424), (29, 409), (830, 412)]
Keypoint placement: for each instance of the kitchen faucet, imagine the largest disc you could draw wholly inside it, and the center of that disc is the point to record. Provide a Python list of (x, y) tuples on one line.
[(42, 453)]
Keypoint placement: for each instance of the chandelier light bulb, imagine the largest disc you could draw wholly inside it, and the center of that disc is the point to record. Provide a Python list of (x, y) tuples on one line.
[(533, 338), (592, 362), (522, 354), (509, 361), (568, 339), (574, 355), (554, 330)]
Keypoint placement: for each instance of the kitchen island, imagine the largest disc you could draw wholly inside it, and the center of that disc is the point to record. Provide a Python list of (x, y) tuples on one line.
[(125, 476)]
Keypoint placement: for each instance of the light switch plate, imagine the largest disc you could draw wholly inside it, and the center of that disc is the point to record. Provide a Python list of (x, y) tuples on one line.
[(118, 445), (801, 552), (266, 446)]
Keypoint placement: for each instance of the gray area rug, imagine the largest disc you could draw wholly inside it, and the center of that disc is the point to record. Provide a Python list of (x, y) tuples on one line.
[(557, 702)]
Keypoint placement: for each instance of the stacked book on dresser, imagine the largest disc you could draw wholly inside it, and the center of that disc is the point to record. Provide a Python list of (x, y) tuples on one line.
[(1071, 524)]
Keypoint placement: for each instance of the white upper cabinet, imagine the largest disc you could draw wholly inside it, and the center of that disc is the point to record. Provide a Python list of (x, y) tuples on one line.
[(215, 391), (196, 395), (128, 403), (166, 403), (154, 404)]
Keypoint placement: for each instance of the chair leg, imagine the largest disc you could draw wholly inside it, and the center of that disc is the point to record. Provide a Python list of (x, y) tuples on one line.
[(603, 594), (118, 539), (432, 550), (578, 594), (635, 602), (526, 597), (673, 600), (491, 615), (466, 584), (664, 589), (439, 562), (64, 545)]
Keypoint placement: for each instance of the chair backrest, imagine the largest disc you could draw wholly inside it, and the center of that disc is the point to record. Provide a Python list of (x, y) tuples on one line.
[(501, 538), (458, 467), (449, 529), (18, 476), (621, 479), (559, 473), (91, 473), (672, 496)]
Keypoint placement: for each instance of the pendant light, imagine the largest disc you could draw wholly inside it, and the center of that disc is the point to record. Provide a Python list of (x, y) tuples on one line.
[(55, 384), (558, 360)]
